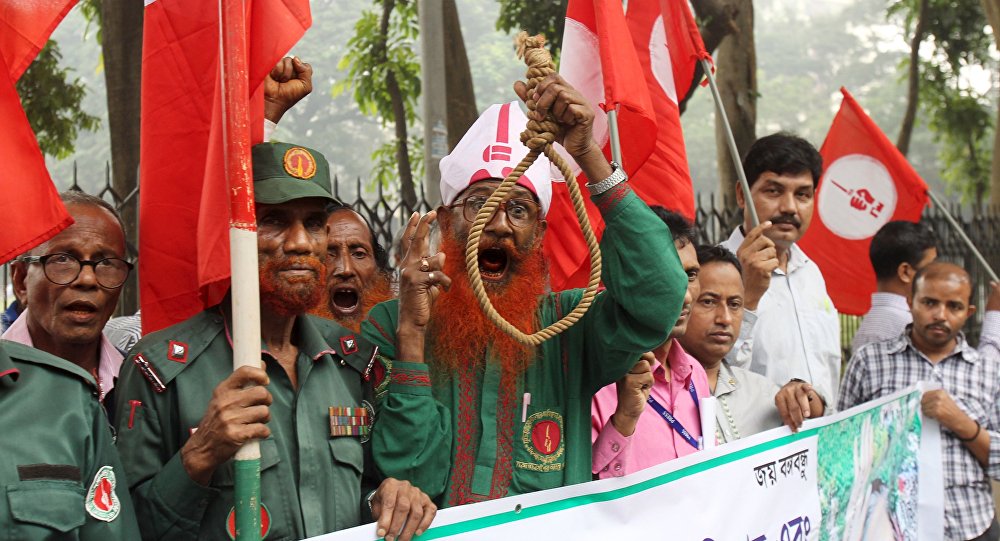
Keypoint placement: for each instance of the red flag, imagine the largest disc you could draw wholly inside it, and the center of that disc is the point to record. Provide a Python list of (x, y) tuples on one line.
[(25, 27), (665, 49), (184, 200), (36, 213), (866, 182)]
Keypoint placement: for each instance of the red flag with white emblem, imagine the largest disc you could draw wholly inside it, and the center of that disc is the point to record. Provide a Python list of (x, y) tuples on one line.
[(644, 81), (36, 213), (184, 196), (866, 183)]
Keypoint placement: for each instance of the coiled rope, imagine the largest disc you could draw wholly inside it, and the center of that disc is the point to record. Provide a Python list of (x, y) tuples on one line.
[(538, 137)]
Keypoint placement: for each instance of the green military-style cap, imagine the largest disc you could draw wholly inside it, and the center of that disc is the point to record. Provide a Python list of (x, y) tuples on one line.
[(283, 172)]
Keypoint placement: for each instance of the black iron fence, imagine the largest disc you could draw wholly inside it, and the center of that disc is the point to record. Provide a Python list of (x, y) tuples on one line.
[(387, 214)]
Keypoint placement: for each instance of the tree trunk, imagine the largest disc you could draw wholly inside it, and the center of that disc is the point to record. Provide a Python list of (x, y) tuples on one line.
[(992, 9), (409, 193), (719, 21), (913, 92), (737, 80), (122, 49), (407, 190), (459, 94)]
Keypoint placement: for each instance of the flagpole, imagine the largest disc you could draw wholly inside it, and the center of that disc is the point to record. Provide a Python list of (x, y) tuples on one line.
[(242, 244), (965, 238), (733, 151), (616, 145)]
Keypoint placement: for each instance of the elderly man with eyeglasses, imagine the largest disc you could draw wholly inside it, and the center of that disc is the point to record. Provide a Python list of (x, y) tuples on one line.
[(69, 286)]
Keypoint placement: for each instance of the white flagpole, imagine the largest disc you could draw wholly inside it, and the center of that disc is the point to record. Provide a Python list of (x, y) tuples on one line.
[(245, 288), (733, 151), (616, 145)]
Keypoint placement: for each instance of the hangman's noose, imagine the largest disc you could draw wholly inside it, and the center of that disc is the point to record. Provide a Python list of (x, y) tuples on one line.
[(538, 137)]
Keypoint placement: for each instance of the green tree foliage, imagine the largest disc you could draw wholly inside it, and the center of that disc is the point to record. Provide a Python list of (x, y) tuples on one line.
[(380, 56), (959, 116), (535, 17), (53, 103)]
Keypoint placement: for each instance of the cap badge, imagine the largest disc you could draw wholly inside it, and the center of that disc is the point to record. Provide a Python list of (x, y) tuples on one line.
[(299, 163)]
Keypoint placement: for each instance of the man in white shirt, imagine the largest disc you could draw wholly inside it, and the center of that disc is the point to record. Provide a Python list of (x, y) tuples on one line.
[(897, 252), (797, 332)]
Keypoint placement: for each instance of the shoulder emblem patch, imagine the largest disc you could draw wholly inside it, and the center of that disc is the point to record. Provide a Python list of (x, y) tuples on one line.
[(265, 522), (299, 163), (348, 344), (102, 502), (177, 351)]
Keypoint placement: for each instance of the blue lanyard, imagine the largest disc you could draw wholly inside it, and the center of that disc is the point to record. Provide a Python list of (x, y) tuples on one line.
[(673, 422)]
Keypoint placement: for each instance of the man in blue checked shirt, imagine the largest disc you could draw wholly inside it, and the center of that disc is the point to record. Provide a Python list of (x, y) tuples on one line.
[(934, 349)]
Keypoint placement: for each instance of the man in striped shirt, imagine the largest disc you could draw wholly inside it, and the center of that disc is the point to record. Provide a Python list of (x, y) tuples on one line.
[(933, 348)]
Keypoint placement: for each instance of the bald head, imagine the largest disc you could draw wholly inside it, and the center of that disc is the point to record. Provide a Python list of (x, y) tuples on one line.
[(941, 304), (944, 271)]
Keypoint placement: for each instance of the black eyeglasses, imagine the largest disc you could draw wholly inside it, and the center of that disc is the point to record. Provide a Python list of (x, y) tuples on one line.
[(520, 212), (62, 269)]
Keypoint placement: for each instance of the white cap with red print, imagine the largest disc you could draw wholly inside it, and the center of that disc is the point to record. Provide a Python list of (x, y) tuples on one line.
[(491, 149)]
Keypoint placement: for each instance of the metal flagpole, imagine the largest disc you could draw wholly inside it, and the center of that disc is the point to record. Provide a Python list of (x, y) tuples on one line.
[(958, 229), (242, 244), (616, 145), (733, 151)]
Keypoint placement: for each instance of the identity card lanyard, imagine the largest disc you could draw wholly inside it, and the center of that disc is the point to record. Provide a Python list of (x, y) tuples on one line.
[(672, 421)]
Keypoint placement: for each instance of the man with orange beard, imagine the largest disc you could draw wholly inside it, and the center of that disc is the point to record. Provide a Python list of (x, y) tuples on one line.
[(184, 412), (466, 412), (358, 274)]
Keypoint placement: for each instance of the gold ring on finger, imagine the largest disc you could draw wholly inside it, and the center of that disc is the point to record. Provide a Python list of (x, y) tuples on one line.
[(424, 264), (430, 276)]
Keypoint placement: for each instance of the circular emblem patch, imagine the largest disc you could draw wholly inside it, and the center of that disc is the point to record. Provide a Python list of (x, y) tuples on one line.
[(546, 436), (856, 197), (542, 436), (265, 522), (299, 163), (102, 501)]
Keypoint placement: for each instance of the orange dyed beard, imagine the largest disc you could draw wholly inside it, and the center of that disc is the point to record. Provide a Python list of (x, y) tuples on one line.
[(291, 296), (459, 331), (378, 290)]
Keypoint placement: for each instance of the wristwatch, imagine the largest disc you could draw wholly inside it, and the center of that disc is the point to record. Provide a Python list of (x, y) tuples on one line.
[(617, 177)]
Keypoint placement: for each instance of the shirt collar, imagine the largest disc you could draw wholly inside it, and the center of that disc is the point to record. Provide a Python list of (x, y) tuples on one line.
[(726, 382), (890, 300), (108, 365), (678, 362), (8, 372), (963, 350), (306, 336), (796, 257)]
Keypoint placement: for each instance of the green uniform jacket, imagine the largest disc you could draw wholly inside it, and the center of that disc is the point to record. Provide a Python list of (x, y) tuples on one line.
[(310, 481), (461, 438), (59, 469)]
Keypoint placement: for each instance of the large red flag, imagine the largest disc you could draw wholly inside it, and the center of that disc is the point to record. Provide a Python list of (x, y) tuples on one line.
[(665, 48), (866, 182), (184, 200), (36, 213)]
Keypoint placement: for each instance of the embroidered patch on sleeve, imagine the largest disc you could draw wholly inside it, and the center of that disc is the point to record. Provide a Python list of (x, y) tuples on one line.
[(102, 502)]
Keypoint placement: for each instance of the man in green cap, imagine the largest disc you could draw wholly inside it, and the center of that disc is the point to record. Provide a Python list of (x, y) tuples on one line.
[(59, 469), (183, 412)]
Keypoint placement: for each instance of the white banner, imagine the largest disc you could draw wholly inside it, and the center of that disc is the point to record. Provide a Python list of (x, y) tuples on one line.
[(872, 472)]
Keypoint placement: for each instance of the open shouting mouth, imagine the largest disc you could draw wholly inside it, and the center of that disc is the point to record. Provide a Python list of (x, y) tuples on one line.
[(493, 263), (344, 299)]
